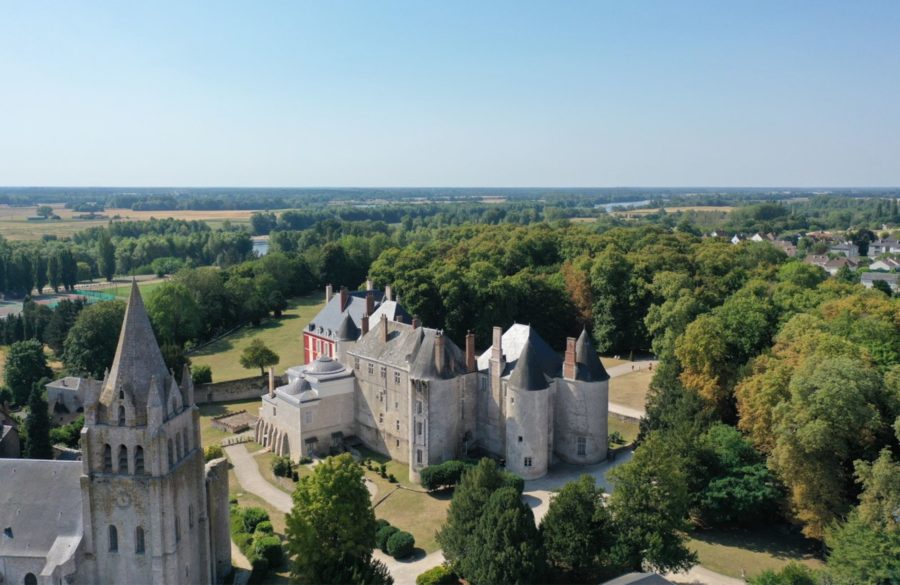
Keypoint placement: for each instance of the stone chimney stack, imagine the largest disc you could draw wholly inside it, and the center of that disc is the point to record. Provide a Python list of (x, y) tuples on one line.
[(384, 328), (470, 352), (271, 382), (399, 318), (388, 293), (329, 292), (497, 344), (369, 285), (345, 296), (370, 300), (365, 324), (415, 322), (569, 368), (439, 352)]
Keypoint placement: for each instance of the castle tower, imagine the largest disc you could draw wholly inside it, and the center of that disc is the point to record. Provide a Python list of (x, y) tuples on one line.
[(146, 518), (582, 405), (528, 423)]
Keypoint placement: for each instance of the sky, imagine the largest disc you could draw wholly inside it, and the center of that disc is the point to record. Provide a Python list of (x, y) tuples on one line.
[(462, 93)]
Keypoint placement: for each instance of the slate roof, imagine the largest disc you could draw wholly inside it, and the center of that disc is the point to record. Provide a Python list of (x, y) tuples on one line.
[(348, 331), (513, 341), (587, 362), (410, 349), (888, 277), (328, 321), (528, 373), (137, 356), (639, 579), (37, 522), (392, 309)]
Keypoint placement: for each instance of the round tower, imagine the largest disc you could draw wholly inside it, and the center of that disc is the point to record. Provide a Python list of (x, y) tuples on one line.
[(528, 420), (582, 405)]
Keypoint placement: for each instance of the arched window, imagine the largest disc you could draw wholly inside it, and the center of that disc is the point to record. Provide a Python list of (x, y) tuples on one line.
[(121, 395), (138, 460), (178, 445), (139, 540), (190, 517), (30, 579), (123, 459), (113, 539), (107, 458), (121, 416), (171, 455)]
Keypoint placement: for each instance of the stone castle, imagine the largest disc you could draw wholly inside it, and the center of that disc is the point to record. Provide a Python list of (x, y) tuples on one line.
[(141, 506), (411, 393)]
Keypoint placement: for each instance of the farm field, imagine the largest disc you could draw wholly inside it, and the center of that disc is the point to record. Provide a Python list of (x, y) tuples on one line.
[(283, 336), (14, 224)]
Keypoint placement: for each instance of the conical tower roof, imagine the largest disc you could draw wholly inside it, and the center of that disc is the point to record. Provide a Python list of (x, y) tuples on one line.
[(528, 373), (138, 357), (589, 367), (348, 331)]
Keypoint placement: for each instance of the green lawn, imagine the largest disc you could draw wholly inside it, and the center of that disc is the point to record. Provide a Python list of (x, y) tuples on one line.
[(631, 389), (210, 435), (627, 428), (264, 462), (283, 336), (753, 551), (124, 289)]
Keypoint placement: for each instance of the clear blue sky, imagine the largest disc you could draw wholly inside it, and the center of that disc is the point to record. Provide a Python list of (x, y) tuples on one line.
[(480, 93)]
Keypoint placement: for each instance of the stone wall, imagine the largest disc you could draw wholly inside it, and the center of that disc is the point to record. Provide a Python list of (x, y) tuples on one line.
[(242, 389)]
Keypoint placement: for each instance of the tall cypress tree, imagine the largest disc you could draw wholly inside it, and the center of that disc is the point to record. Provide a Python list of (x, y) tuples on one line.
[(37, 426)]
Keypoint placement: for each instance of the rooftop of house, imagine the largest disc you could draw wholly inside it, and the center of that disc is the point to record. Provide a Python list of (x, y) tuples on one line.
[(513, 343), (328, 322), (885, 276), (49, 525), (639, 579)]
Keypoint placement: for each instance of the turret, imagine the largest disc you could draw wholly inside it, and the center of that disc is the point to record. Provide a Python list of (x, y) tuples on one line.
[(580, 415), (528, 415)]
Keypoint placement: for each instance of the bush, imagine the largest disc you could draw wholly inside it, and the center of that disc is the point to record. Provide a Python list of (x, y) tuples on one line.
[(242, 540), (615, 438), (445, 474), (400, 545), (381, 523), (382, 470), (213, 452), (382, 536), (282, 466), (264, 527), (260, 567), (252, 517), (392, 479), (440, 575), (305, 460), (201, 374), (512, 480), (269, 547)]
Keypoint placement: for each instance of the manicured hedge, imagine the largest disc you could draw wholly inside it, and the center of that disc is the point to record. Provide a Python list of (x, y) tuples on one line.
[(264, 527), (440, 575), (401, 544), (445, 474), (251, 532), (269, 547), (382, 536), (252, 517)]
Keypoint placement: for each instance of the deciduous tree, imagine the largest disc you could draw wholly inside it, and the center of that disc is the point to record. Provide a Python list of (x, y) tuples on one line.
[(25, 365), (258, 355)]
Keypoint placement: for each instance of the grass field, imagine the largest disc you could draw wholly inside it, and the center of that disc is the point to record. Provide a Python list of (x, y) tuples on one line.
[(122, 291), (631, 389), (753, 551), (264, 461), (627, 428), (210, 435), (14, 224), (283, 336), (609, 362)]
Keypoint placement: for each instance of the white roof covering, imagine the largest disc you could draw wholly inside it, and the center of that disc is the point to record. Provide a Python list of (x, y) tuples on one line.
[(513, 340)]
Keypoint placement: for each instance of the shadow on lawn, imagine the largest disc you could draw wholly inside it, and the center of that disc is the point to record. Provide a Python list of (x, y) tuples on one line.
[(780, 541)]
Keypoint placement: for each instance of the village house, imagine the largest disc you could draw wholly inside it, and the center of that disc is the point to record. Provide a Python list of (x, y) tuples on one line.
[(868, 279), (885, 265)]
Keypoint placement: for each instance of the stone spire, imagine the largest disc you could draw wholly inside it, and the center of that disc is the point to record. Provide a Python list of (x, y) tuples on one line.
[(138, 358), (528, 373), (589, 367)]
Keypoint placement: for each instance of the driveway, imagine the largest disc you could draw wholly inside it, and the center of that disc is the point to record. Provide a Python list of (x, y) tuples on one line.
[(248, 475)]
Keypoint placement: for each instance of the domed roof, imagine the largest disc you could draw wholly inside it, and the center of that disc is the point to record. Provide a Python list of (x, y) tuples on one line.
[(297, 386), (325, 365)]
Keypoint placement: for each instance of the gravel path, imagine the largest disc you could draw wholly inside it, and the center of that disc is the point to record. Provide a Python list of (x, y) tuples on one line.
[(247, 472)]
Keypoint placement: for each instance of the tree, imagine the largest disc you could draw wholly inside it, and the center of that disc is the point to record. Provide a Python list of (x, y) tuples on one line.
[(277, 303), (25, 365), (106, 256), (883, 286), (90, 346), (649, 509), (257, 355), (201, 374), (576, 530), (37, 426), (792, 574), (506, 545), (862, 554), (331, 527), (64, 315), (44, 211), (174, 313)]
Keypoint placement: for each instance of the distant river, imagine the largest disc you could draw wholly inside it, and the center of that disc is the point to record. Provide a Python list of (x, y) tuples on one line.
[(261, 246), (626, 204)]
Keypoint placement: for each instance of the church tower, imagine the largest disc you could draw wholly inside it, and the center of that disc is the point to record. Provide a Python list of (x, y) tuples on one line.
[(146, 518)]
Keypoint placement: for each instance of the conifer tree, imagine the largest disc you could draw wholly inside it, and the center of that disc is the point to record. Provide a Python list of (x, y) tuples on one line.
[(37, 426)]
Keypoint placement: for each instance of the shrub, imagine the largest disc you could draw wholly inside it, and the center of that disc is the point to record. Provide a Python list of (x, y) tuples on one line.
[(445, 474), (242, 540), (382, 470), (400, 545), (201, 374), (264, 527), (382, 536), (512, 480), (260, 567), (213, 452), (282, 466), (252, 517), (440, 575), (269, 547), (392, 479), (381, 523), (615, 438), (305, 460)]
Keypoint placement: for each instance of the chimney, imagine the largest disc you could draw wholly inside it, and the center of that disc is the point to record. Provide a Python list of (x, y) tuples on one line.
[(569, 363), (497, 344), (439, 352), (415, 322), (370, 300), (398, 318), (388, 294), (345, 294), (365, 324), (271, 382), (470, 352), (329, 292), (369, 284), (384, 328)]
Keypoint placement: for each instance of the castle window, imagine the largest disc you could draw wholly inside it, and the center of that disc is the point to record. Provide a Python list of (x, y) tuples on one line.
[(113, 539), (123, 459), (171, 454), (371, 368), (177, 530), (582, 446), (107, 458), (396, 405), (418, 407), (30, 579), (398, 424), (418, 428), (528, 462), (356, 364), (398, 443), (380, 417), (462, 407), (419, 456), (187, 442), (178, 450), (121, 395), (138, 541), (397, 378), (383, 372), (138, 460), (191, 517), (520, 438), (121, 416), (307, 417)]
